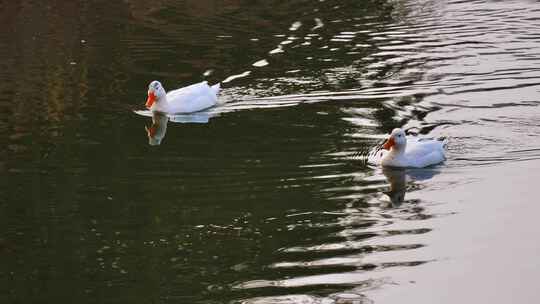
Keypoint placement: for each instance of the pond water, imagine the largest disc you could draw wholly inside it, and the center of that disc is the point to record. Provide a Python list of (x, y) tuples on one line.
[(267, 198)]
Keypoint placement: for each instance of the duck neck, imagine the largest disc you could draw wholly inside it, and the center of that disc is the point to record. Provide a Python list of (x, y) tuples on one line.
[(398, 149), (162, 104), (162, 99)]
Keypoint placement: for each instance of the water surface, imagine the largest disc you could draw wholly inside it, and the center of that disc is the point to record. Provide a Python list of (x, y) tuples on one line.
[(264, 199)]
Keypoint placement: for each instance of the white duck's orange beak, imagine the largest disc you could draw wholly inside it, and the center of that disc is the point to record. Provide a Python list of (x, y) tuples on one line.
[(389, 143), (151, 99)]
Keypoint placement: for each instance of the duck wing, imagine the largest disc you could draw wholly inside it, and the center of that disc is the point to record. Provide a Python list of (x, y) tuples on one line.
[(193, 98), (189, 91), (425, 152)]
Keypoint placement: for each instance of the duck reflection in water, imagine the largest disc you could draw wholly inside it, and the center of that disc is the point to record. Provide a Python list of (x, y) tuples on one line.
[(156, 132), (401, 178)]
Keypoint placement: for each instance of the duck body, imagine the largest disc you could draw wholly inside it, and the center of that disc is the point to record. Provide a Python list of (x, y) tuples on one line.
[(193, 98), (401, 152)]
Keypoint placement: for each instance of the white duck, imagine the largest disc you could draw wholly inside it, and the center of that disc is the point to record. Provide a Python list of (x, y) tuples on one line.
[(193, 98), (417, 153)]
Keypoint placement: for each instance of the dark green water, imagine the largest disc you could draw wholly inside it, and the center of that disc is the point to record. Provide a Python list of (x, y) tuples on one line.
[(263, 203)]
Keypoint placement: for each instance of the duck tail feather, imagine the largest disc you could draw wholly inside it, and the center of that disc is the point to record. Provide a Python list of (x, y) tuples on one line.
[(444, 141), (216, 88)]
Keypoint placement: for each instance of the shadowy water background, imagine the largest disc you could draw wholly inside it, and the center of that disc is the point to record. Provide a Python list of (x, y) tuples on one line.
[(266, 202)]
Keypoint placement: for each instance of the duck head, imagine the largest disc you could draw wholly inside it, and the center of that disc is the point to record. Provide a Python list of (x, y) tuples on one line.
[(155, 93), (397, 140)]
